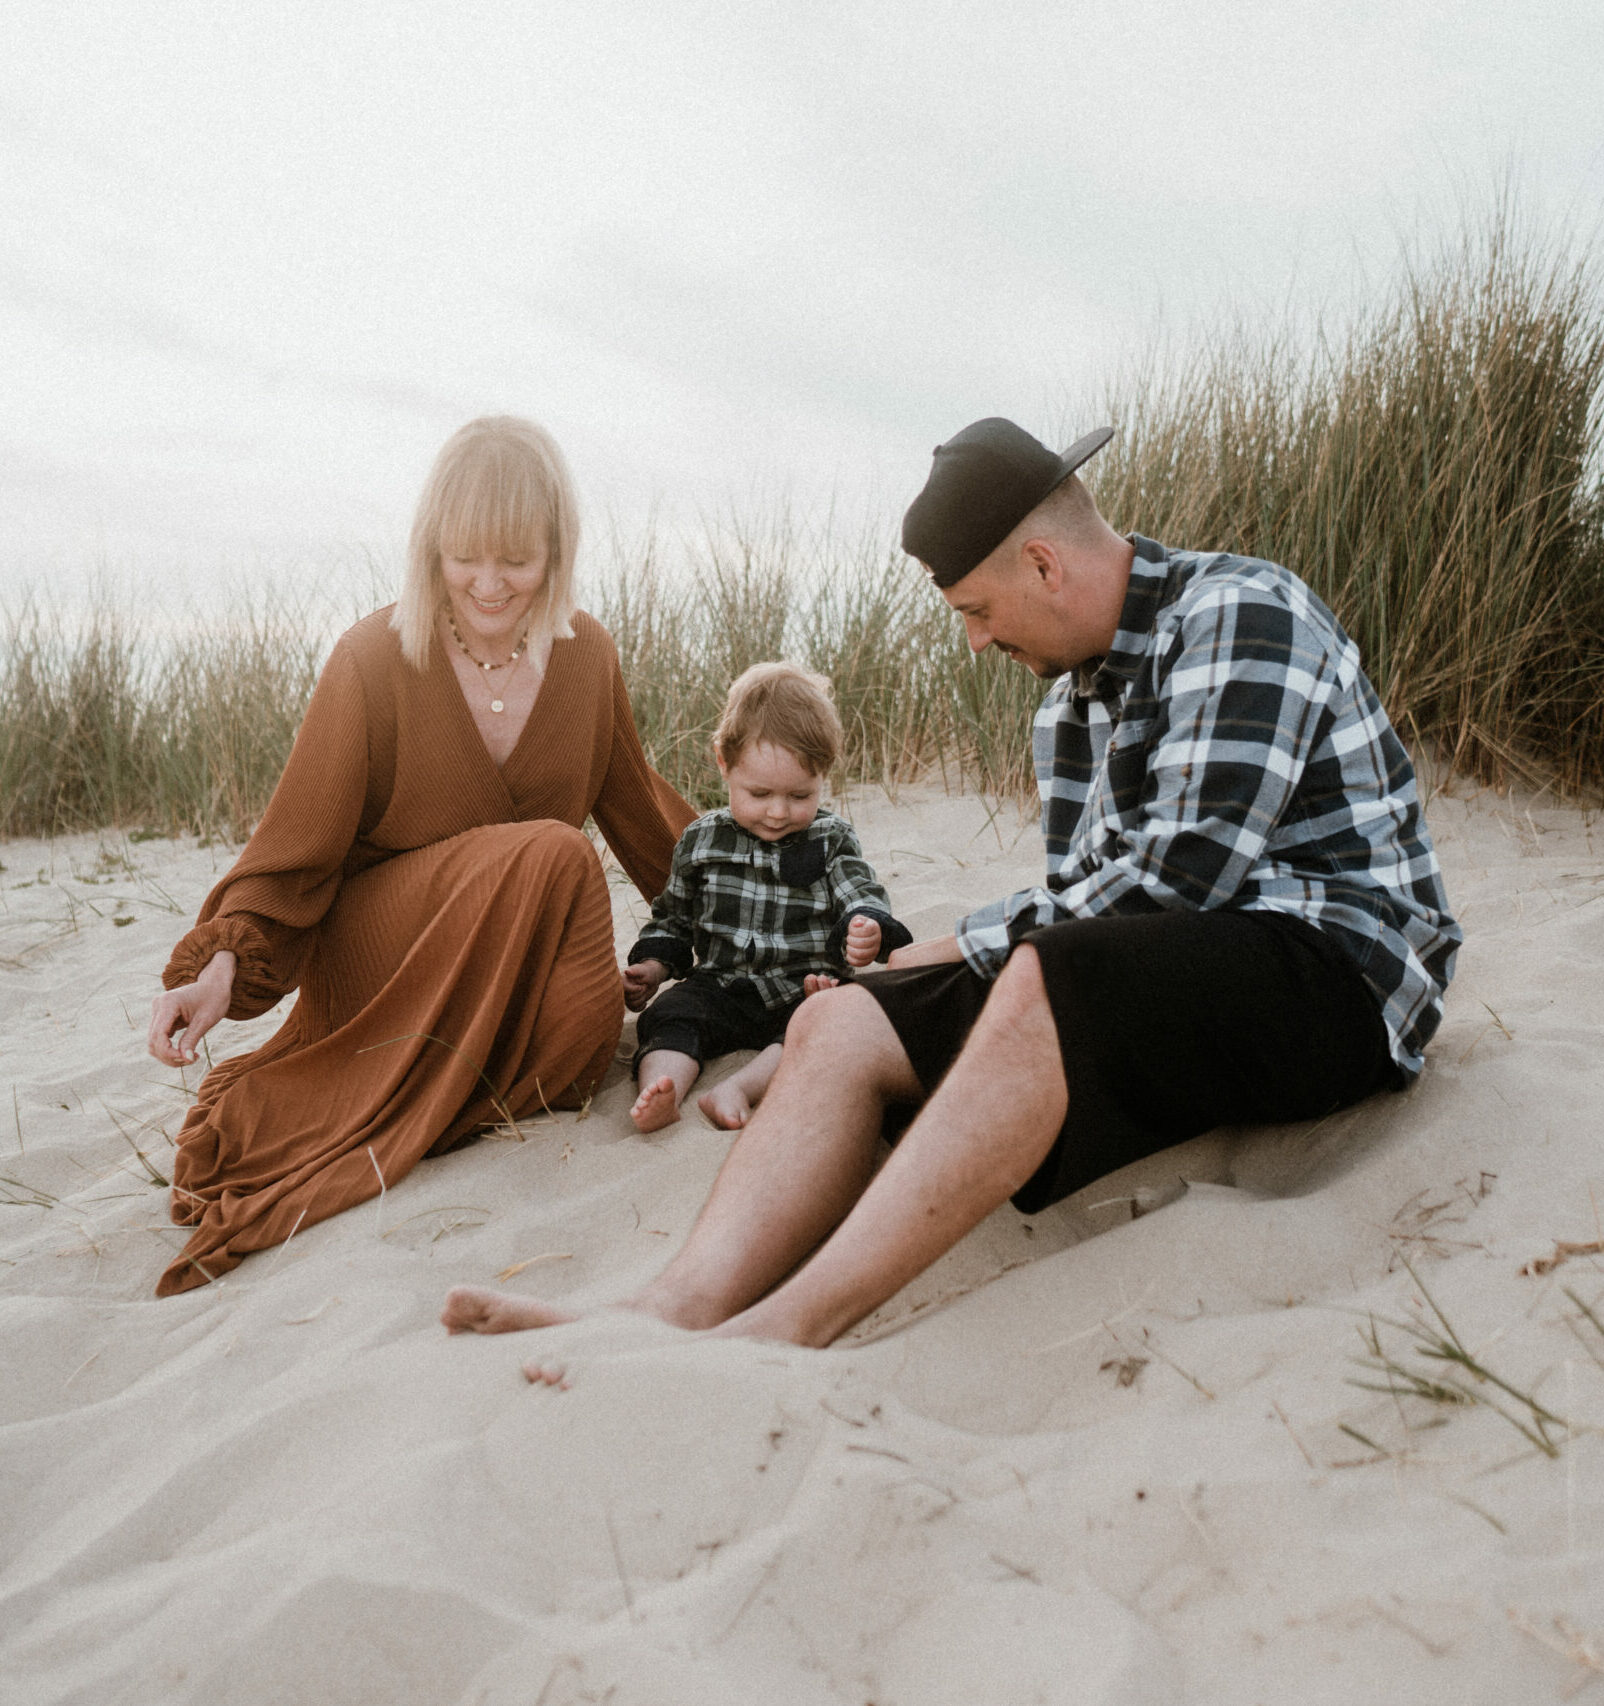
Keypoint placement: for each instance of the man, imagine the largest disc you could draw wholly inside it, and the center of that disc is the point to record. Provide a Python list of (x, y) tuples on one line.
[(1243, 919)]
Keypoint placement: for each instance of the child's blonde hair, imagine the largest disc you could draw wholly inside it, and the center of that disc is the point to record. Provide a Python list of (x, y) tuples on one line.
[(499, 486), (785, 705)]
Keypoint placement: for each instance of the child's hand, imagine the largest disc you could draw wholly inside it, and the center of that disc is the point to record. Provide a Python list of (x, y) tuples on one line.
[(863, 941), (641, 981), (817, 981)]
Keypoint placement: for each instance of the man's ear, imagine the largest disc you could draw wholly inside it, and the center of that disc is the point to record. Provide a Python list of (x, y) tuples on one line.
[(1041, 556)]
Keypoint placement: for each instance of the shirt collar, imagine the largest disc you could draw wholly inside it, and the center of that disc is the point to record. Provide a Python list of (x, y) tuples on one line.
[(1107, 678), (808, 832)]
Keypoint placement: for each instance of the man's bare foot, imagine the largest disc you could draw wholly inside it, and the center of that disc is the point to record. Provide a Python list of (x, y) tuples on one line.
[(727, 1105), (546, 1374), (763, 1321), (656, 1106), (476, 1309)]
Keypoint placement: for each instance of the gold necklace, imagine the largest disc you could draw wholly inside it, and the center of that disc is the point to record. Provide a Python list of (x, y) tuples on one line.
[(497, 705)]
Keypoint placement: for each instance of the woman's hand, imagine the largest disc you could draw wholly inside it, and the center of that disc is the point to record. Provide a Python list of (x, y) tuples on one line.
[(641, 981), (941, 951), (191, 1010), (863, 941)]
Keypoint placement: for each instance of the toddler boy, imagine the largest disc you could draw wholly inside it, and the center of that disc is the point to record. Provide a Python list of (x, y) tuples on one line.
[(768, 899)]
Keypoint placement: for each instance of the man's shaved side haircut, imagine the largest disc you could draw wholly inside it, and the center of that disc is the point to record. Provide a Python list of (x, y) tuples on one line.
[(1067, 513)]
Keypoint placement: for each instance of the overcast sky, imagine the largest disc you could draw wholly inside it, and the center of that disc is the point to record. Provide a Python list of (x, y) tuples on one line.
[(258, 259)]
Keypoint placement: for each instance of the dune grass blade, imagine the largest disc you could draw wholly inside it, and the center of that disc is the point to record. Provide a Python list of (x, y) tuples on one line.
[(1434, 472), (1433, 466)]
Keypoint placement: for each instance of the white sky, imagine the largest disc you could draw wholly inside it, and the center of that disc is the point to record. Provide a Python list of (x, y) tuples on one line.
[(258, 258)]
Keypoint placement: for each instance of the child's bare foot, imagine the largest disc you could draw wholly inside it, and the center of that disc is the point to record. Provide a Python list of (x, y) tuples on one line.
[(475, 1309), (656, 1106), (727, 1105)]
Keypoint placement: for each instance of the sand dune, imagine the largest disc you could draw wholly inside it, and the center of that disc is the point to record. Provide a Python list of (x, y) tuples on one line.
[(1116, 1454)]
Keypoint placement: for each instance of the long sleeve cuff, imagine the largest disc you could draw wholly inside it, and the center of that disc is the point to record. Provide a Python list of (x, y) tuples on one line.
[(256, 987), (674, 954), (893, 934), (984, 940)]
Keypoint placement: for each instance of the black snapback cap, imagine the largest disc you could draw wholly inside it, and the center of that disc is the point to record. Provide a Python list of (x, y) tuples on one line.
[(985, 480)]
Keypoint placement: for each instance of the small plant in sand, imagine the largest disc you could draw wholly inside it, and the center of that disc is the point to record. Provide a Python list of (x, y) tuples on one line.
[(1446, 1372)]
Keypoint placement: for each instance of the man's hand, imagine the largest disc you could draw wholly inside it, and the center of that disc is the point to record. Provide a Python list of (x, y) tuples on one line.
[(641, 981), (942, 951), (863, 941), (190, 1011)]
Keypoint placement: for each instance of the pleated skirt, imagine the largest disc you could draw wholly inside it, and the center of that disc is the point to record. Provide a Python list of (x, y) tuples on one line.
[(448, 987)]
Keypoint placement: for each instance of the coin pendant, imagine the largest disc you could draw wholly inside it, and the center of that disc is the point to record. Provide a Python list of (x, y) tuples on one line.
[(496, 705)]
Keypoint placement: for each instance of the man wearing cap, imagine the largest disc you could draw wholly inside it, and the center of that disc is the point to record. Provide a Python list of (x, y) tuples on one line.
[(1243, 920)]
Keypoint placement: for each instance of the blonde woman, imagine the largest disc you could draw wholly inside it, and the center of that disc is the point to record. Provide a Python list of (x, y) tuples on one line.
[(421, 876)]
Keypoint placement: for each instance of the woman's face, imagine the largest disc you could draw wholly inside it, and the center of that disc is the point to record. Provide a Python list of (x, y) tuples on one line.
[(491, 598)]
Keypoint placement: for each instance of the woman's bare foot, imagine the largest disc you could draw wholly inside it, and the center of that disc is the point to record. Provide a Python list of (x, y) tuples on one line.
[(476, 1309), (656, 1106), (727, 1105)]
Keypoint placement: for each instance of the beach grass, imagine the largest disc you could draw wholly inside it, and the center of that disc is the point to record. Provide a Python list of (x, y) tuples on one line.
[(1434, 469)]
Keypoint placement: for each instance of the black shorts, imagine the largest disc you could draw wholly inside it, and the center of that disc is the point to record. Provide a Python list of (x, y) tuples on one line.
[(1168, 1025), (702, 1017)]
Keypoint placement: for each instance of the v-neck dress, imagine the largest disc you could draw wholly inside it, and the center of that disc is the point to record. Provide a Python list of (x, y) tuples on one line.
[(446, 922)]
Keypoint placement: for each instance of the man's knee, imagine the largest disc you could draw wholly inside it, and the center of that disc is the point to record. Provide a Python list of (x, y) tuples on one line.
[(846, 1029), (829, 1016)]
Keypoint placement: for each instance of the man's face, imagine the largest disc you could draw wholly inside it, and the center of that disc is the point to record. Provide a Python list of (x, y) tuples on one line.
[(1018, 605)]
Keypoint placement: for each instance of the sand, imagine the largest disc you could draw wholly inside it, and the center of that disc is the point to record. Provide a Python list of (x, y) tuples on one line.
[(1114, 1454)]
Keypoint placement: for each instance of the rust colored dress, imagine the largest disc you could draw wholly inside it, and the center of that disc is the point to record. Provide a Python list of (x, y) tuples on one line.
[(411, 889)]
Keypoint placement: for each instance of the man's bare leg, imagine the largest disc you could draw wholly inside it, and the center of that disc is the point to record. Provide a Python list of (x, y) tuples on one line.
[(976, 1141), (729, 1105), (665, 1077), (797, 1168), (788, 1179)]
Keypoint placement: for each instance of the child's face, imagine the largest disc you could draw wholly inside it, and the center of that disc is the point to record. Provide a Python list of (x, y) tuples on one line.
[(772, 792)]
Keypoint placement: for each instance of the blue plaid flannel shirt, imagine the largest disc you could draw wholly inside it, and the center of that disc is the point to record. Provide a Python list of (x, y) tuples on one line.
[(1230, 752), (765, 913)]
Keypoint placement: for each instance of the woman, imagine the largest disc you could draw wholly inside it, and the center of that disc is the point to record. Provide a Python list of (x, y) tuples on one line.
[(421, 876)]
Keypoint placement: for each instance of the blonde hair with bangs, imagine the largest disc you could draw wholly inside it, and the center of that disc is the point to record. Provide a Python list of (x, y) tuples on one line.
[(786, 706), (499, 487)]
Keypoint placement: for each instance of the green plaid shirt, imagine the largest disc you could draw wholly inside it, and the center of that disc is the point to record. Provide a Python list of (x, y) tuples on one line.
[(765, 913)]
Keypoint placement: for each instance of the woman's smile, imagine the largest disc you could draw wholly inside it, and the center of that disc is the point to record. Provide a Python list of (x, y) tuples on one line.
[(491, 598)]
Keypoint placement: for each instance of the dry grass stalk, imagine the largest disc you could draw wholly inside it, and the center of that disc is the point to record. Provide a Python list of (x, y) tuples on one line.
[(1564, 1250)]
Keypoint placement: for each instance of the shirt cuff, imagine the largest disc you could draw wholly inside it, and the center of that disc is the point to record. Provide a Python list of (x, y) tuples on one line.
[(669, 949), (983, 939), (893, 934)]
